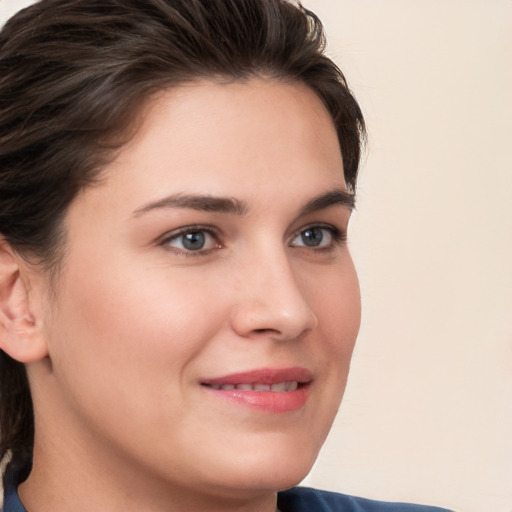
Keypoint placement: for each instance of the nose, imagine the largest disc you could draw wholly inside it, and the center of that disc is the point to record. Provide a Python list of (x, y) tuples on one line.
[(270, 302)]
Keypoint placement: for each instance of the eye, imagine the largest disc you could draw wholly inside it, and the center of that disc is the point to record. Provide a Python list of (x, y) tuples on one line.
[(192, 239), (317, 237)]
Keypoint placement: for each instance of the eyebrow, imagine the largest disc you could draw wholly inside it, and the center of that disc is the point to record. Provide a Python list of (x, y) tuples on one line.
[(336, 197), (200, 202), (233, 206)]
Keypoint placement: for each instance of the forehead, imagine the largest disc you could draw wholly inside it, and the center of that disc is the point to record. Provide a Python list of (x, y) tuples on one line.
[(212, 128), (239, 139)]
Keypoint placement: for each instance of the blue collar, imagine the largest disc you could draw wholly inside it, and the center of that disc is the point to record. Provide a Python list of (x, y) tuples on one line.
[(16, 472)]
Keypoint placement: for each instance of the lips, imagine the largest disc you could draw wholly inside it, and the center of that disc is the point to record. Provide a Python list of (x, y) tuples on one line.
[(277, 387), (268, 376), (271, 390)]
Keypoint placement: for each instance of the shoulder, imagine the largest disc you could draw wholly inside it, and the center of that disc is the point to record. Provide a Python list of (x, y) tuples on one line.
[(304, 499), (13, 472)]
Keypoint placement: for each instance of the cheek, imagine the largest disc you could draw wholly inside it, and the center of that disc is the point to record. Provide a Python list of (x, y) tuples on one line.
[(123, 345), (337, 304), (128, 324)]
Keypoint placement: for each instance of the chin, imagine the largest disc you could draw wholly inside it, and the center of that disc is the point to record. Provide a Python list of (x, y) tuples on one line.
[(255, 483), (273, 471)]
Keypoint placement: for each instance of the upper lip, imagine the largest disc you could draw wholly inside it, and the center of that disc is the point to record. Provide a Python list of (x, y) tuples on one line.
[(263, 376)]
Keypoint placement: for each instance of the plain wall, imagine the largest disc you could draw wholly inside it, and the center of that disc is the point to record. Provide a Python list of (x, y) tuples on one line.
[(427, 415)]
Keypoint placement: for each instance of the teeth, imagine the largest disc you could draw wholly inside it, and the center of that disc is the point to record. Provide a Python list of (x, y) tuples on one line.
[(244, 387), (279, 387), (262, 387), (292, 386)]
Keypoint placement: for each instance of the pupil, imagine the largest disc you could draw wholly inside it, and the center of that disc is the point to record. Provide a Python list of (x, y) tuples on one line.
[(312, 237), (194, 241)]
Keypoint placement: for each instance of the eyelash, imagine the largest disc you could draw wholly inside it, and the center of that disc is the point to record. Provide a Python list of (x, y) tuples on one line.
[(175, 235), (338, 238)]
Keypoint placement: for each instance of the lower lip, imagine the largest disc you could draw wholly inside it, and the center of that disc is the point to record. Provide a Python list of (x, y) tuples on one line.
[(268, 401)]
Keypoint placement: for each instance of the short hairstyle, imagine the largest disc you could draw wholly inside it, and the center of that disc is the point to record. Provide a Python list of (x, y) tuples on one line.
[(75, 73)]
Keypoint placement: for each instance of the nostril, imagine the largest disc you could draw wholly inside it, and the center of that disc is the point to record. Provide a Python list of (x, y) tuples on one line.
[(265, 331)]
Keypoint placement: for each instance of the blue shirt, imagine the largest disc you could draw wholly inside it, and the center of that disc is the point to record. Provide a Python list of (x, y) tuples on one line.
[(303, 499)]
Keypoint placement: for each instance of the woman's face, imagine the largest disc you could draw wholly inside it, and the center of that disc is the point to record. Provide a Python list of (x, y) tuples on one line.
[(208, 305)]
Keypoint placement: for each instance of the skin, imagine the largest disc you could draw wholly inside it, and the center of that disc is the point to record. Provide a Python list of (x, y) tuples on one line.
[(139, 321)]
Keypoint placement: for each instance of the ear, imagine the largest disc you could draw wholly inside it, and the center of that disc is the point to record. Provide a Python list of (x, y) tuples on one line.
[(21, 335)]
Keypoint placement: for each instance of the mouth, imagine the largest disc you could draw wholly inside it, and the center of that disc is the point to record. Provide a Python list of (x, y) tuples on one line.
[(279, 387), (269, 390)]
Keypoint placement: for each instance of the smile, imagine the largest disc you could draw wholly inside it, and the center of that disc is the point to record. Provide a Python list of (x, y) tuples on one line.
[(266, 390), (279, 387)]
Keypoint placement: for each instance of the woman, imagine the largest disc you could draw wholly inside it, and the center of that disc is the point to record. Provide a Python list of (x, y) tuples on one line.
[(178, 303)]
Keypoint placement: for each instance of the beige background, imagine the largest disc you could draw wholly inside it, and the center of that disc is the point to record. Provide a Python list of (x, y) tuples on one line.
[(427, 415)]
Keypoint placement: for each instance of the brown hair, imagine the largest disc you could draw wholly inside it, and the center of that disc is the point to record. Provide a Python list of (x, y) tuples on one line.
[(74, 74)]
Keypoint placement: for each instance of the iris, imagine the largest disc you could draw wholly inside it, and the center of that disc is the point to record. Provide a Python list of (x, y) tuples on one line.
[(312, 237), (194, 240)]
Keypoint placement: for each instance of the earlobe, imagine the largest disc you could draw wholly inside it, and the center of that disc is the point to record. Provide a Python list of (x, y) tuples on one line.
[(21, 335)]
